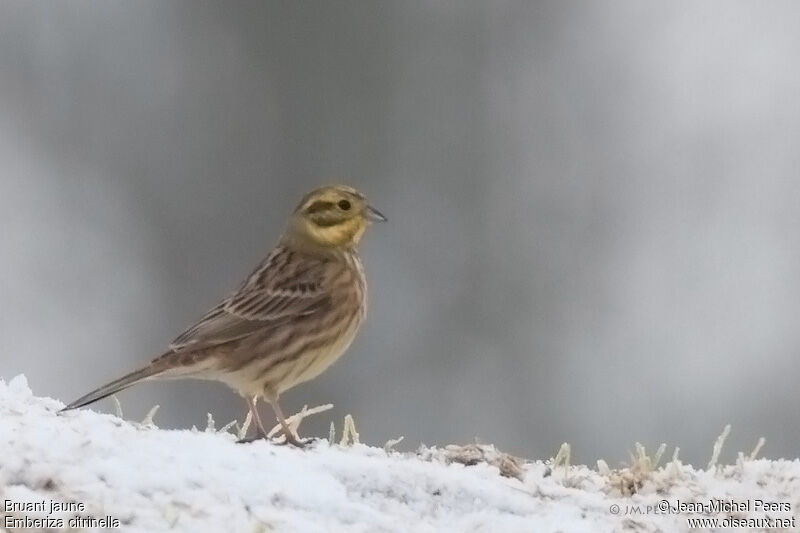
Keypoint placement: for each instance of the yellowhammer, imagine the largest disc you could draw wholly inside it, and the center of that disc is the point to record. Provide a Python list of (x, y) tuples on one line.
[(289, 320)]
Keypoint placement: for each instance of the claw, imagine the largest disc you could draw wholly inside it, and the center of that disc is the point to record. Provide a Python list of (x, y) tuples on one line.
[(294, 441)]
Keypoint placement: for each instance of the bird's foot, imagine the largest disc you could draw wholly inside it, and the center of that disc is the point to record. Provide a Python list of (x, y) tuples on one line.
[(295, 441), (280, 441), (253, 438)]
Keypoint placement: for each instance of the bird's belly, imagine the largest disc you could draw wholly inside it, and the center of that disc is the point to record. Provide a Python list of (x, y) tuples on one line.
[(276, 374), (313, 362)]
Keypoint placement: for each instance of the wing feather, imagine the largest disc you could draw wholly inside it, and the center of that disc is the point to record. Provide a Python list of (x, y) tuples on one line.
[(280, 289)]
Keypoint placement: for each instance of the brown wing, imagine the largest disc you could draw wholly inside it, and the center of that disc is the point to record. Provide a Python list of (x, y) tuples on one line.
[(282, 287)]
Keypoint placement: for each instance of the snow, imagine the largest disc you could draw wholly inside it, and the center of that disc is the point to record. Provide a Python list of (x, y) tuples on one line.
[(154, 480)]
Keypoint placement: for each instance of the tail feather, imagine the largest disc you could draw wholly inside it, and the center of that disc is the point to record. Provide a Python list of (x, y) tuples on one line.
[(115, 386)]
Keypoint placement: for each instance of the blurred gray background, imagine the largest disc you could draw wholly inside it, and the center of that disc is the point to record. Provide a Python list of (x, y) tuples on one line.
[(594, 234)]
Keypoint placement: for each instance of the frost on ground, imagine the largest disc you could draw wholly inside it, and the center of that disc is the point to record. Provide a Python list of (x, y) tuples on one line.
[(156, 480)]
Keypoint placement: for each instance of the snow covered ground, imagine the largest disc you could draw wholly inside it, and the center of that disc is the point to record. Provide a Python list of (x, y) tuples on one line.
[(152, 480)]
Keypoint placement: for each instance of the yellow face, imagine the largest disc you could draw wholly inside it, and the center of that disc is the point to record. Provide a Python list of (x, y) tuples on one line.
[(333, 216)]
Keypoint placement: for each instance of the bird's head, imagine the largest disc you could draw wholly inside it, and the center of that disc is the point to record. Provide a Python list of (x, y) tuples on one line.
[(334, 216)]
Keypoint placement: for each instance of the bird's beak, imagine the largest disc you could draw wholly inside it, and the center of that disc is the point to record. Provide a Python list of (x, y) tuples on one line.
[(374, 215)]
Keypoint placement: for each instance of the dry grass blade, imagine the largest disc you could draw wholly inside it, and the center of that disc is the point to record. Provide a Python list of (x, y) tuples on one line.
[(349, 433), (473, 454), (757, 448), (629, 479), (242, 431), (718, 446)]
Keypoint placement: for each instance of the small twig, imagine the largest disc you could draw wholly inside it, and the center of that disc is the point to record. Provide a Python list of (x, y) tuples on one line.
[(148, 419), (226, 427), (295, 420), (117, 405), (391, 443), (563, 456)]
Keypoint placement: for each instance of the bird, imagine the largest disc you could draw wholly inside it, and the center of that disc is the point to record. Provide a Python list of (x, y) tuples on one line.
[(288, 321)]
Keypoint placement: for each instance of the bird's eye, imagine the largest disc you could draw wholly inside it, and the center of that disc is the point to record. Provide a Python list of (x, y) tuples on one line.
[(344, 205)]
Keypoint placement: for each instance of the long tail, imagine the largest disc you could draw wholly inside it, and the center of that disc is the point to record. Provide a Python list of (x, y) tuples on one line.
[(115, 386)]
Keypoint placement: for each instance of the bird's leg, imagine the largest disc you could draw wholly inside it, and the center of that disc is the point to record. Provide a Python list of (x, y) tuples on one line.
[(261, 433), (287, 431)]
